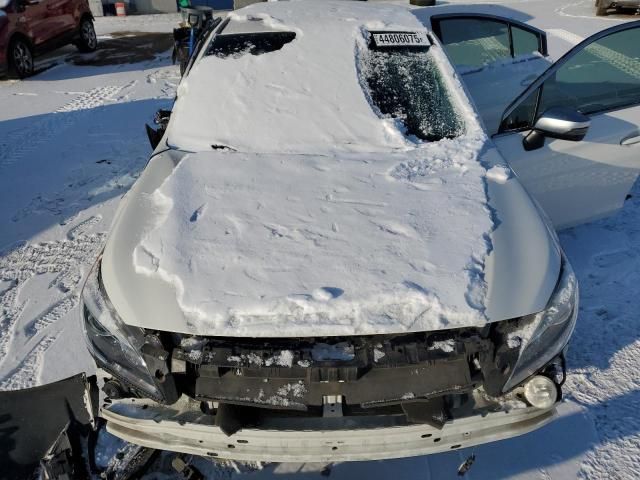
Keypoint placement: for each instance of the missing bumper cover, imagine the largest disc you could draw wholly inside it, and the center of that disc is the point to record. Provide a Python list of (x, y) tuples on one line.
[(297, 374)]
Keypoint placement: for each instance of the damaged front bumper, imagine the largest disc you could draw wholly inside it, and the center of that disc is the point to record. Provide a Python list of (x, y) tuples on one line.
[(183, 427), (361, 398), (329, 398)]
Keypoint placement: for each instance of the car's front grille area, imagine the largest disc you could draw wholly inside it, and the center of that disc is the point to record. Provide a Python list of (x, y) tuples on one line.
[(299, 374)]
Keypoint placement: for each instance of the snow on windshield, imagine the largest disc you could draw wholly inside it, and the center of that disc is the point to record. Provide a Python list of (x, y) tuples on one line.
[(278, 79)]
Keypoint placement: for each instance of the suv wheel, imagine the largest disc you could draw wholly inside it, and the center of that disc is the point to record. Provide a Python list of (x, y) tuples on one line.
[(88, 42), (20, 58), (601, 8)]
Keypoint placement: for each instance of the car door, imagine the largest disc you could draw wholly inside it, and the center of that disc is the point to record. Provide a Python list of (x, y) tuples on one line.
[(59, 18), (578, 181), (32, 20), (496, 57)]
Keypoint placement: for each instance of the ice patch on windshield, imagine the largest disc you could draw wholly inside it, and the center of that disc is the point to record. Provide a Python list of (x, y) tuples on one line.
[(406, 85)]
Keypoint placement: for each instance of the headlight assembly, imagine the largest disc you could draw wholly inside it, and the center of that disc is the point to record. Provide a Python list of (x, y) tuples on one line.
[(542, 336), (116, 347)]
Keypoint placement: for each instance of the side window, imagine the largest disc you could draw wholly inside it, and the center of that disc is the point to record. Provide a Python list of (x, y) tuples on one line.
[(475, 42), (523, 115), (524, 41), (605, 75)]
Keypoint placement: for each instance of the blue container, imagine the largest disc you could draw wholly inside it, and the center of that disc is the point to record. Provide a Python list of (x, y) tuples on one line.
[(215, 4)]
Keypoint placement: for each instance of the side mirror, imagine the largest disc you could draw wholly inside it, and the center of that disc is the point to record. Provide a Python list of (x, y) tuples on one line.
[(161, 118), (154, 136), (557, 122)]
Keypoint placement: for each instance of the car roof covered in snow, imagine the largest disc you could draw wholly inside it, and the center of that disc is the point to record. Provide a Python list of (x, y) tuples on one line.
[(303, 97)]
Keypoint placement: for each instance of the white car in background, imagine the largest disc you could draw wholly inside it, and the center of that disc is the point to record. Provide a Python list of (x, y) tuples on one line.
[(327, 257)]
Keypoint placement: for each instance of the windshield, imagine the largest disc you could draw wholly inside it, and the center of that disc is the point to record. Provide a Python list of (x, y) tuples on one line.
[(298, 89), (406, 85)]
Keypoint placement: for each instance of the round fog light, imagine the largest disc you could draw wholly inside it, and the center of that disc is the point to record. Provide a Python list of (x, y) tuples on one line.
[(541, 392)]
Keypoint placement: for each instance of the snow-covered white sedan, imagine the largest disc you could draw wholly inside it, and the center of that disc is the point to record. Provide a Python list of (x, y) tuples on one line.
[(327, 258)]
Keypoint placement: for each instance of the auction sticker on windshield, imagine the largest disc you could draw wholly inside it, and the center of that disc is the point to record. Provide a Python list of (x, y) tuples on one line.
[(400, 39)]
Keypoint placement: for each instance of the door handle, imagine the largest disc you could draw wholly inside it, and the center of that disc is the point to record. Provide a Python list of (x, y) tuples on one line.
[(631, 140)]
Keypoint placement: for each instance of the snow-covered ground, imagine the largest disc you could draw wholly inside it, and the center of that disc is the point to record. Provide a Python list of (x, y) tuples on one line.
[(72, 141)]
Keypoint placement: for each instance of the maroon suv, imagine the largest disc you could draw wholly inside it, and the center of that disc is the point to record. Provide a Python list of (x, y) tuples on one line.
[(30, 27)]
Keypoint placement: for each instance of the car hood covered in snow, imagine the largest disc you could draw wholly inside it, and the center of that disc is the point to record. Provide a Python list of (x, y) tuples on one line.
[(233, 244)]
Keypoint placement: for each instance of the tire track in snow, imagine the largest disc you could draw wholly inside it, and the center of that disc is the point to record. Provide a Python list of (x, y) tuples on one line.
[(10, 313), (67, 259), (568, 37), (604, 354), (26, 374), (21, 143), (83, 227), (60, 256), (170, 81), (51, 315)]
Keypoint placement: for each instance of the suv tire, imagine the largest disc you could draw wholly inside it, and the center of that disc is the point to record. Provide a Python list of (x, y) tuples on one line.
[(20, 58), (87, 39), (601, 7)]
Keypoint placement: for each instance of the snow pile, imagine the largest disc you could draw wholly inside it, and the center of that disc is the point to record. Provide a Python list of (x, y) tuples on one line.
[(499, 173), (250, 359), (288, 395), (378, 354), (283, 359), (446, 346)]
